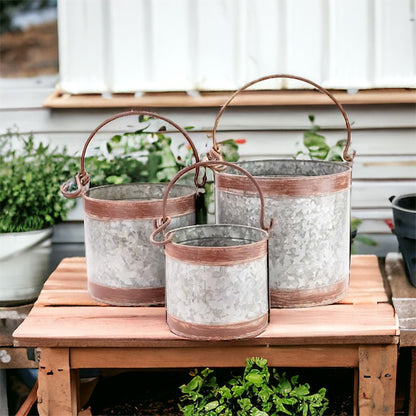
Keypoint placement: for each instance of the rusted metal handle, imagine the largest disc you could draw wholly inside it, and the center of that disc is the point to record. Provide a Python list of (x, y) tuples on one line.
[(82, 178), (216, 147), (161, 224)]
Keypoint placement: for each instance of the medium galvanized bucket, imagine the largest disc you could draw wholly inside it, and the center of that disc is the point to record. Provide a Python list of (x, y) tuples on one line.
[(216, 275), (123, 267), (309, 250)]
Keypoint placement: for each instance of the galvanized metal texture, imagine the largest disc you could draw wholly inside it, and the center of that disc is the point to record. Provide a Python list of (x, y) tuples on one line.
[(160, 226), (295, 178), (309, 248), (137, 201)]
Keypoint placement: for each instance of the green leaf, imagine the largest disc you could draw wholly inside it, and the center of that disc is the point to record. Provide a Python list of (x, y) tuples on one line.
[(301, 390), (255, 378), (366, 240), (117, 138), (211, 405)]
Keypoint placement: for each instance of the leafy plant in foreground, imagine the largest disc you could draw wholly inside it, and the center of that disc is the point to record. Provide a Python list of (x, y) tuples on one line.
[(256, 393), (30, 176)]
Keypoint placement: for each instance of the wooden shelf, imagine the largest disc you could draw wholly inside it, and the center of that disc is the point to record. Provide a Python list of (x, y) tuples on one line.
[(60, 99)]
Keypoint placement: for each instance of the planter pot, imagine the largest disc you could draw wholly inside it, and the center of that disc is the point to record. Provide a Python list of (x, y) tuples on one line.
[(123, 267), (216, 274), (309, 250), (404, 217), (24, 263)]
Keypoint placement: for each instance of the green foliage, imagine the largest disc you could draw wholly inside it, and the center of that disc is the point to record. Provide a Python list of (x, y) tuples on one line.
[(143, 156), (317, 146), (30, 176), (256, 393), (137, 156)]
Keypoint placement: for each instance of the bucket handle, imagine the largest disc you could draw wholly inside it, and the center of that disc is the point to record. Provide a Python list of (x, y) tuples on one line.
[(215, 152), (161, 224), (82, 178)]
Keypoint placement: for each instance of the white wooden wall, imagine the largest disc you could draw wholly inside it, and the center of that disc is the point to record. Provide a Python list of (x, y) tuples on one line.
[(384, 137), (110, 46)]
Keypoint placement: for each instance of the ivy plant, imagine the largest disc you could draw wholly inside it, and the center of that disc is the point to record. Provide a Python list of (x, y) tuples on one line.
[(30, 176), (257, 392), (317, 147)]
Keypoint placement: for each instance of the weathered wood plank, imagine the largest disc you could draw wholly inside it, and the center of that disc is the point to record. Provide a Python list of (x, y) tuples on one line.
[(282, 356), (97, 326), (57, 389), (59, 99), (67, 285), (377, 380), (403, 297)]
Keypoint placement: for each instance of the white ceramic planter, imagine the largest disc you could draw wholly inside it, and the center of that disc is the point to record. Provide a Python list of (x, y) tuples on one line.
[(24, 262)]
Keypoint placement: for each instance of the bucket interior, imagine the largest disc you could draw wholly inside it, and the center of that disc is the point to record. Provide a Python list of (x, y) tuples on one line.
[(138, 191), (407, 202), (290, 168), (217, 235)]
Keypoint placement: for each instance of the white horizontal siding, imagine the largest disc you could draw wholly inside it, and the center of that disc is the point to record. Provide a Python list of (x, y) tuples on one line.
[(142, 45), (383, 136)]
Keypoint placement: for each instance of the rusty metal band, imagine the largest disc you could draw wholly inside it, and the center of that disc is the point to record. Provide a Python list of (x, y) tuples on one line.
[(288, 186), (127, 296), (217, 256), (239, 330), (109, 210), (298, 298)]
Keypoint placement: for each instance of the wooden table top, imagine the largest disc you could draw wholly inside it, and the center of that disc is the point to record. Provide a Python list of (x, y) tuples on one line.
[(65, 316), (403, 298)]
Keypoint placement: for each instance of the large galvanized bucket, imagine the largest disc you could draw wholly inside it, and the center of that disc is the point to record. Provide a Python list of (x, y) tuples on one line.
[(216, 275), (309, 250), (123, 267)]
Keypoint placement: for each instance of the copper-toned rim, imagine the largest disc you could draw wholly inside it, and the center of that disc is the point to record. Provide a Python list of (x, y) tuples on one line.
[(289, 186), (105, 209), (239, 330), (127, 296), (217, 256), (299, 298)]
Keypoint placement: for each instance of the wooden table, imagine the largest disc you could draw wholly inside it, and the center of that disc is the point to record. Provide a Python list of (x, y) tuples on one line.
[(11, 358), (404, 302), (73, 332)]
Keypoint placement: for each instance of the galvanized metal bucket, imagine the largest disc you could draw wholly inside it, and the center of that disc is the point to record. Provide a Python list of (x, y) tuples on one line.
[(123, 267), (216, 275), (309, 250)]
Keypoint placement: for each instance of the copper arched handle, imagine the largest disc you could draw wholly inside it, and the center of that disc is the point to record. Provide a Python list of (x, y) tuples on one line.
[(161, 224), (216, 148), (82, 178)]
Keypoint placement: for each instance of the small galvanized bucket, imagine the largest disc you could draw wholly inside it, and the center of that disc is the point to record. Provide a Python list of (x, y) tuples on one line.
[(123, 268), (309, 250), (216, 275)]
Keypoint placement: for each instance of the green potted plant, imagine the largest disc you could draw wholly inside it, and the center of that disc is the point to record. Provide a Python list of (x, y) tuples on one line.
[(30, 205), (258, 392)]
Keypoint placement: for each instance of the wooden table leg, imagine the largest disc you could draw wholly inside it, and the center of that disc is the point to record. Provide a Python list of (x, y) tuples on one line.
[(58, 384), (377, 380), (412, 392)]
